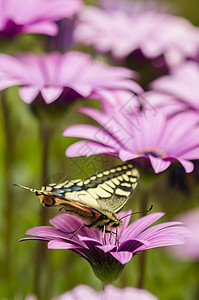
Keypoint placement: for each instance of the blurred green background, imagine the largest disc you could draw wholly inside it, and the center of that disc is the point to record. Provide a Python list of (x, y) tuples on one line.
[(21, 162)]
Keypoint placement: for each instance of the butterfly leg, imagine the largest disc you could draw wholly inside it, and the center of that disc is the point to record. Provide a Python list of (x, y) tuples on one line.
[(115, 235), (103, 235), (75, 231)]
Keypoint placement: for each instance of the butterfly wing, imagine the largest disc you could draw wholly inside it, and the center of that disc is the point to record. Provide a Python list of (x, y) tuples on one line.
[(112, 188), (106, 191)]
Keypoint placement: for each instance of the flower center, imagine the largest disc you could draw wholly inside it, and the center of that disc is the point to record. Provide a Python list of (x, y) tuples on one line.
[(153, 152)]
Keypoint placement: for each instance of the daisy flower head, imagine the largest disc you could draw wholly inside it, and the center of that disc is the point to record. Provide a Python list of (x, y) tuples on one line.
[(181, 85), (31, 297), (65, 77), (82, 292), (107, 256), (165, 103), (34, 16), (190, 250), (138, 26), (149, 135)]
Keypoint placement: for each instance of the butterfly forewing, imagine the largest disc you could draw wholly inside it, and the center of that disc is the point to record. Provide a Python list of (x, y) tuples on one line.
[(105, 191)]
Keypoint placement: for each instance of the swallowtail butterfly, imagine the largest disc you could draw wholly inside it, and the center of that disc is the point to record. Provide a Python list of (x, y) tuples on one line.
[(96, 199)]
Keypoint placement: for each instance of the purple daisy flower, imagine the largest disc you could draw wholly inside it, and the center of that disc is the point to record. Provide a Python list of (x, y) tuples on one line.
[(34, 16), (149, 135), (83, 292), (31, 297), (109, 255), (181, 85), (190, 250), (71, 75), (164, 103), (138, 27)]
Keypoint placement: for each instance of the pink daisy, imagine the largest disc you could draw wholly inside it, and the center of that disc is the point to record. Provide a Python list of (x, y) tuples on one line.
[(82, 292), (69, 76), (190, 250), (34, 16), (149, 135), (122, 28), (107, 258), (181, 85)]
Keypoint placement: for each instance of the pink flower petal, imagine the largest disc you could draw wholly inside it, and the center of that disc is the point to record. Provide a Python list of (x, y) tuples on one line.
[(87, 148), (106, 248), (139, 225), (91, 132), (163, 241), (28, 94), (125, 155), (58, 244), (158, 164), (50, 94), (188, 166), (43, 27), (123, 257)]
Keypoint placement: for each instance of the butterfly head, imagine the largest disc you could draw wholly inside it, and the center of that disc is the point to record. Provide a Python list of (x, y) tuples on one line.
[(109, 220), (113, 225)]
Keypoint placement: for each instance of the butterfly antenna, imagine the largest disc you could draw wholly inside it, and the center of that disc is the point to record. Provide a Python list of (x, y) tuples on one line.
[(24, 187), (139, 212)]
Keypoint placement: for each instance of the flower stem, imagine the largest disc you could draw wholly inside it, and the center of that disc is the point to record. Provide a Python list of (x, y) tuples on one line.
[(142, 258), (197, 280), (42, 255), (8, 158)]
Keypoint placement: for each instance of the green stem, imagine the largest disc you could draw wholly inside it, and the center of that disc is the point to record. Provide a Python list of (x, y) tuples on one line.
[(197, 280), (42, 255), (8, 158), (144, 200)]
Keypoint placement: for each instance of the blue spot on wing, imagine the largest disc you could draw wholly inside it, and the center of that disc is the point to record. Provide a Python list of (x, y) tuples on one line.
[(60, 192), (76, 188)]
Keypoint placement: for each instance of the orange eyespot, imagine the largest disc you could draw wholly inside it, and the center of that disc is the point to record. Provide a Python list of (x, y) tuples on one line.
[(46, 200)]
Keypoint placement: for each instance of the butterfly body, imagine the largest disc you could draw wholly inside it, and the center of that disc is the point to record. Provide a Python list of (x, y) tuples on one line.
[(96, 199)]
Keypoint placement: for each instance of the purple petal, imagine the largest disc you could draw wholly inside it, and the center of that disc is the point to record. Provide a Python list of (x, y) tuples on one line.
[(125, 155), (43, 27), (89, 242), (110, 292), (188, 166), (163, 241), (125, 216), (89, 239), (123, 256), (106, 248), (190, 154), (66, 223), (50, 94), (139, 225), (90, 132), (80, 292), (146, 233), (28, 94), (58, 244), (131, 245), (34, 239), (51, 233), (158, 164), (88, 148)]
